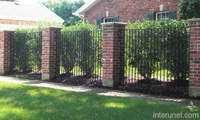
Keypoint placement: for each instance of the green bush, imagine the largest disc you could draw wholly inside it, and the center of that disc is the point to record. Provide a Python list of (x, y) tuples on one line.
[(144, 36), (79, 48), (178, 54), (68, 53), (27, 55), (80, 26), (86, 52)]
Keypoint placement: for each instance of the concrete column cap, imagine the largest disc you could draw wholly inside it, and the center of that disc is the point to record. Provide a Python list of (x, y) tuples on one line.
[(194, 20), (7, 30), (113, 23)]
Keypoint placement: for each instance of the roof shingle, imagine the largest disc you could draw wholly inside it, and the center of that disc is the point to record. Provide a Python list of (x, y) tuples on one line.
[(25, 11)]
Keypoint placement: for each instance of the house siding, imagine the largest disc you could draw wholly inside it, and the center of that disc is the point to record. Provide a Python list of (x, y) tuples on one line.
[(131, 10)]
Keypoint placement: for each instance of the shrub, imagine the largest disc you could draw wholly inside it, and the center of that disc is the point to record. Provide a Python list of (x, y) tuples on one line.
[(80, 50), (68, 53), (28, 43), (178, 54), (152, 33)]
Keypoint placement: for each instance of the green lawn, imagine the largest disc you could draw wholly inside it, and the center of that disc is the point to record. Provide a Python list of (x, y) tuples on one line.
[(23, 102)]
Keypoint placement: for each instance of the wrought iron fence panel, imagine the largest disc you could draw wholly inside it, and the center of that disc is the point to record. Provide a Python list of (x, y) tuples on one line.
[(28, 52), (157, 57), (81, 55)]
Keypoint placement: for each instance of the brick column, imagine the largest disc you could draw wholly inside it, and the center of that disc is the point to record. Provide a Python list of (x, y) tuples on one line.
[(113, 48), (6, 51), (50, 52), (194, 79)]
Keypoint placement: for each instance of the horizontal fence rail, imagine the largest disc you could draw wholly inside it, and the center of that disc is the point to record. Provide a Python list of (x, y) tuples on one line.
[(157, 57), (81, 55), (28, 52)]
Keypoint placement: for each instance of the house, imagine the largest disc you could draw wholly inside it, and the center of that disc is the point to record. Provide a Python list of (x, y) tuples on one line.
[(101, 11), (13, 15)]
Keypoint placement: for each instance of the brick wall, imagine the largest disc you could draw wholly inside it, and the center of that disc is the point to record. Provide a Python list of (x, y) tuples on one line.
[(113, 42), (6, 51), (194, 87), (50, 52), (17, 22), (129, 9)]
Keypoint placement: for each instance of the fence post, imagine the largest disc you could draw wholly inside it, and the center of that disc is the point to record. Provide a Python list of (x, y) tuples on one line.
[(50, 52), (113, 48), (6, 51), (194, 78)]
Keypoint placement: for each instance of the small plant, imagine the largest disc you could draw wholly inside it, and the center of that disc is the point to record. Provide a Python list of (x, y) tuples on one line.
[(192, 107)]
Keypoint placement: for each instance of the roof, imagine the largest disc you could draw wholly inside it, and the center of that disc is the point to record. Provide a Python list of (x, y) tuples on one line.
[(25, 11), (81, 11)]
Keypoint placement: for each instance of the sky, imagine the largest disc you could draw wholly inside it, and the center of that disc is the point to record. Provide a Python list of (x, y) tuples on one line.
[(35, 1)]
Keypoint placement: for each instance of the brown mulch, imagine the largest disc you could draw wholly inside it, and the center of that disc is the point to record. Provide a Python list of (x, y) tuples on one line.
[(80, 80), (153, 86)]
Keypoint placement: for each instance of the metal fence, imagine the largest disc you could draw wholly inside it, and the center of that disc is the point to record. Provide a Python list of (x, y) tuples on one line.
[(157, 57), (28, 52), (81, 55)]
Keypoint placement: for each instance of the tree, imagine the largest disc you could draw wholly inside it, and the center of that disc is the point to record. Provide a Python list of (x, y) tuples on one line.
[(64, 9), (189, 9)]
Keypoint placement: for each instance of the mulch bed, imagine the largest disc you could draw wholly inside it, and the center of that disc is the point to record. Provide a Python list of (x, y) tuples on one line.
[(163, 89), (146, 87)]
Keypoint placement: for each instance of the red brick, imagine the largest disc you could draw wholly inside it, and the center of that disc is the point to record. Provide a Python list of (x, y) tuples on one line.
[(128, 9), (195, 55), (50, 52), (17, 22), (6, 52), (111, 53)]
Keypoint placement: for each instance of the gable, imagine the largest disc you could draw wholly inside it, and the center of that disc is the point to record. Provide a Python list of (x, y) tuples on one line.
[(81, 11)]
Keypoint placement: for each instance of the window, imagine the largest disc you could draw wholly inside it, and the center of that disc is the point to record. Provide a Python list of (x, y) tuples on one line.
[(104, 20), (162, 16), (107, 20)]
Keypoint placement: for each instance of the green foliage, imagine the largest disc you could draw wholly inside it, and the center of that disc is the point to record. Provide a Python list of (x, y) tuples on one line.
[(80, 44), (27, 55), (150, 42), (139, 51), (64, 9), (47, 23), (189, 9), (146, 24), (80, 26), (178, 54), (192, 107), (68, 52), (86, 52), (28, 47)]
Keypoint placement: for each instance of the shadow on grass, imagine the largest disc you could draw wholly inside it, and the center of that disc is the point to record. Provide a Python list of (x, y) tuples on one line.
[(27, 102)]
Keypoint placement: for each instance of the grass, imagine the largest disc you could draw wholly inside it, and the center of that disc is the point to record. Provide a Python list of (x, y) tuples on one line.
[(159, 74), (129, 72), (20, 101)]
